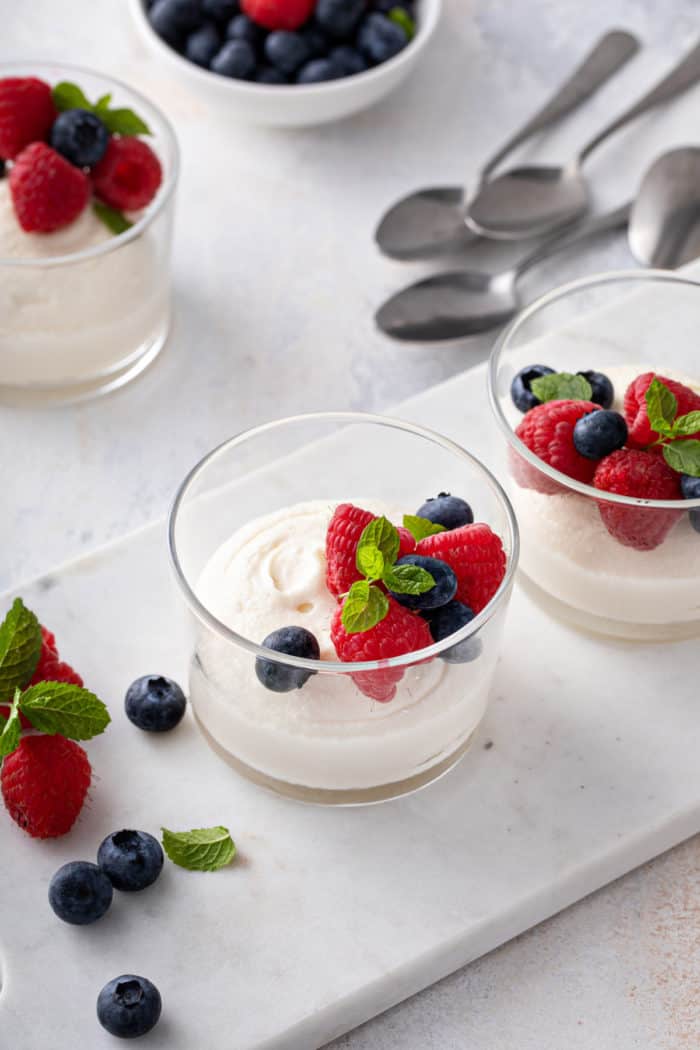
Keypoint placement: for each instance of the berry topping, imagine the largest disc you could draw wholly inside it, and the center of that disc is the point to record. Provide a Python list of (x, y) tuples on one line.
[(295, 641), (444, 586), (286, 50), (400, 631), (446, 621), (379, 38), (599, 433), (44, 783), (643, 476), (173, 19), (155, 703), (129, 174), (203, 44), (279, 14), (339, 18), (449, 511), (26, 113), (520, 392), (602, 390), (129, 1006), (637, 414), (131, 860), (690, 488), (80, 137), (80, 893), (235, 59), (476, 555), (548, 431), (47, 192), (344, 531), (407, 543)]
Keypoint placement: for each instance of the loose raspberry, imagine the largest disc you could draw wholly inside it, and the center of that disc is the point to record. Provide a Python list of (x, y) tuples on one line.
[(548, 431), (47, 191), (129, 174), (279, 14), (344, 531), (401, 631), (44, 783), (645, 476), (407, 543), (640, 433), (48, 669), (26, 113), (476, 555)]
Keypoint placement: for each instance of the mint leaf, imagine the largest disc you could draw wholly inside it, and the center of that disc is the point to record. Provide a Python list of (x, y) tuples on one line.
[(364, 607), (202, 849), (382, 535), (408, 579), (69, 96), (11, 730), (117, 121), (402, 18), (684, 456), (123, 122), (370, 561), (421, 527), (20, 648), (662, 406), (102, 103), (561, 386), (114, 220), (687, 424), (59, 707)]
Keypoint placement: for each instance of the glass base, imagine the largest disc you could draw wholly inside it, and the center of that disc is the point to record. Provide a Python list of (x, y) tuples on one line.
[(590, 623), (342, 797)]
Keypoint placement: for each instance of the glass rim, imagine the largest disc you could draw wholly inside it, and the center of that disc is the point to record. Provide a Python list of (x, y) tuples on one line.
[(337, 666), (502, 344), (166, 189)]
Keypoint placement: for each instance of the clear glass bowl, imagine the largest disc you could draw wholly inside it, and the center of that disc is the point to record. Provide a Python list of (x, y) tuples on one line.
[(328, 741), (84, 320), (622, 324)]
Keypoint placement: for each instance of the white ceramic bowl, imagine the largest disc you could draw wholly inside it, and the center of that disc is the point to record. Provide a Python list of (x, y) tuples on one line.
[(303, 104)]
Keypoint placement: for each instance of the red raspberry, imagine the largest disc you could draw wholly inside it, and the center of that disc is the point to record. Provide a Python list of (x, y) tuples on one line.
[(401, 631), (47, 191), (44, 783), (407, 544), (646, 476), (48, 669), (548, 431), (26, 113), (344, 531), (278, 14), (640, 433), (129, 174), (476, 555)]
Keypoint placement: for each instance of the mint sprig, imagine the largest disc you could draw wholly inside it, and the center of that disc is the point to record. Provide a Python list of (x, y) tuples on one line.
[(364, 607), (684, 456), (12, 728), (20, 648), (201, 849), (679, 453), (112, 218), (561, 386), (59, 707), (421, 527), (122, 121)]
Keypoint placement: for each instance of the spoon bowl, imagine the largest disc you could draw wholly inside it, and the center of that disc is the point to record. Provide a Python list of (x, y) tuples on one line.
[(664, 230), (449, 306), (529, 201)]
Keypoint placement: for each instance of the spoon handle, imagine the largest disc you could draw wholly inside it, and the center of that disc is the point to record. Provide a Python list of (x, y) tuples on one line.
[(682, 76), (611, 52), (609, 220)]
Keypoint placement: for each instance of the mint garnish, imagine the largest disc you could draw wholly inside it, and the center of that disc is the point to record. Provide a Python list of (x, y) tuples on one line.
[(402, 18), (113, 219), (202, 849), (364, 607), (561, 386), (380, 535), (684, 456), (408, 579), (686, 425), (421, 527), (12, 728), (662, 406), (117, 121), (59, 707), (20, 648)]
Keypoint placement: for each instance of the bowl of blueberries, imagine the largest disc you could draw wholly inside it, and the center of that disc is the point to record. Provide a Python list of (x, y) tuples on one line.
[(290, 62)]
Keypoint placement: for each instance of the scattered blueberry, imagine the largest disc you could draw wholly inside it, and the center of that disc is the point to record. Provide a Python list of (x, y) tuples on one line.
[(348, 60), (80, 137), (129, 1006), (243, 28), (174, 19), (287, 51), (295, 641), (131, 860), (220, 10), (446, 510), (441, 593), (235, 59), (318, 70), (690, 487), (315, 38), (154, 703), (599, 433), (270, 75), (339, 18), (603, 390), (446, 621), (80, 892), (203, 44), (522, 395), (379, 39)]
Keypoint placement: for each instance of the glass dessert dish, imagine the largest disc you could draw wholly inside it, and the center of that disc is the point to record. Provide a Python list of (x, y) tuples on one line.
[(248, 542), (595, 551), (84, 309)]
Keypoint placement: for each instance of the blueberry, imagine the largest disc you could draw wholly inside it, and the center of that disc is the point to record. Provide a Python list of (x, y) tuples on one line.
[(599, 433), (235, 59), (243, 28), (379, 39), (295, 641), (444, 622), (203, 44), (523, 397), (339, 18), (80, 137), (174, 19), (690, 487), (220, 10), (270, 75), (80, 892), (603, 390), (129, 1006), (446, 510), (286, 50), (441, 593), (2, 169), (385, 6), (131, 860), (316, 39), (348, 60), (318, 70), (154, 703)]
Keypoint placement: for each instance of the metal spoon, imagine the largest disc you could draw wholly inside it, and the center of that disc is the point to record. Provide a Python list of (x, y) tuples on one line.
[(664, 229), (461, 303), (534, 200), (431, 221)]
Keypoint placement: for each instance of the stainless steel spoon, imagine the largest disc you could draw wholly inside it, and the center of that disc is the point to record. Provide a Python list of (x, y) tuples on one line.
[(431, 221), (461, 303), (534, 200), (664, 229)]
